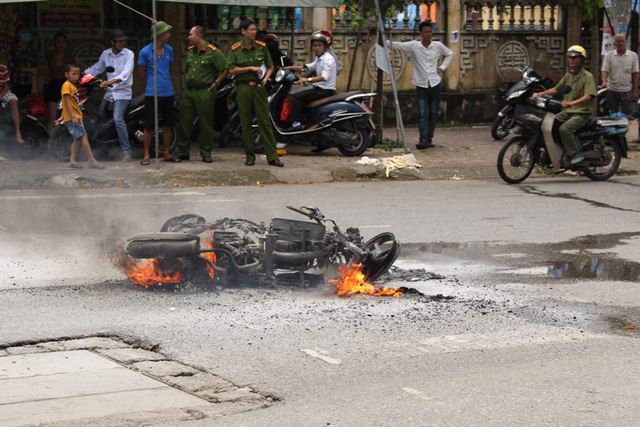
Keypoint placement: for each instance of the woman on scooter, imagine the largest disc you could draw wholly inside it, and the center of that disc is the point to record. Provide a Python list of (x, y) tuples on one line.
[(324, 83)]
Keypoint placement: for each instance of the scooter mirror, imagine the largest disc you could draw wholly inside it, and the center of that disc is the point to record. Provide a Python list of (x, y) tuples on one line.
[(109, 69), (282, 58), (567, 89)]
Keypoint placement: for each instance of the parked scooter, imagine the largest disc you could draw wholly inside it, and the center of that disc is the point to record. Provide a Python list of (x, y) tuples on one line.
[(518, 94), (34, 133), (602, 140), (342, 120), (103, 134)]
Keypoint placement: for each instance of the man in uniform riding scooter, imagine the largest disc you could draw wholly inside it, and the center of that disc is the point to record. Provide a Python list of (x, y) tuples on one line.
[(579, 103), (324, 83)]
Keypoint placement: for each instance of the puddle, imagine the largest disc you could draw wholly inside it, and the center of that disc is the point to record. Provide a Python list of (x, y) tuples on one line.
[(585, 257), (597, 268)]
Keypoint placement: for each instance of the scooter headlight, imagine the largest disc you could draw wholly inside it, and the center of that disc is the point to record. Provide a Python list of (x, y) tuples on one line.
[(280, 75)]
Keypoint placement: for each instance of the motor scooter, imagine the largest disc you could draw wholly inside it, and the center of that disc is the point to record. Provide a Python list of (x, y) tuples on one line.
[(102, 133), (519, 93), (34, 133), (602, 142), (343, 120)]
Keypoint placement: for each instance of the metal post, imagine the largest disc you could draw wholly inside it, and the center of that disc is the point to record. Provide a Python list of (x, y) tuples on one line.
[(155, 84), (392, 77)]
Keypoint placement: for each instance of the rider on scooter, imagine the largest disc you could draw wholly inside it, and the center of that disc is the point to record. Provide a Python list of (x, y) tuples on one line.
[(324, 84), (579, 103)]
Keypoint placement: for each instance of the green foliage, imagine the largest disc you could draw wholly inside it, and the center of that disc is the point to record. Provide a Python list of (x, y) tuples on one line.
[(389, 144), (585, 7)]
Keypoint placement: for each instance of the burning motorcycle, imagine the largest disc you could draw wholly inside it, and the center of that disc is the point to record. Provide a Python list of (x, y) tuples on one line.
[(603, 143), (238, 251), (518, 94), (103, 134)]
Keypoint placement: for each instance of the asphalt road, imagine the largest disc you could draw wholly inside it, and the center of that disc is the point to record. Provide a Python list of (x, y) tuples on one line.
[(515, 345)]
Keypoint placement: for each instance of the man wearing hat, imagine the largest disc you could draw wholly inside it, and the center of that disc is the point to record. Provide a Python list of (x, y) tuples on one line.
[(166, 94), (204, 70), (118, 84)]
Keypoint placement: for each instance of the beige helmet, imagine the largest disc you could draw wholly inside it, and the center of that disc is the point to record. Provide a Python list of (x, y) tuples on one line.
[(577, 50)]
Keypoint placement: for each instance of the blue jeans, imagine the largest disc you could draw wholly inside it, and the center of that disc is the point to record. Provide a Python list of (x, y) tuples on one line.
[(119, 107), (428, 101)]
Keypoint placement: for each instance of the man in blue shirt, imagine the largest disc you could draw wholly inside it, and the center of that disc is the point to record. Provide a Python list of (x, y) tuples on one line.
[(118, 84), (166, 94)]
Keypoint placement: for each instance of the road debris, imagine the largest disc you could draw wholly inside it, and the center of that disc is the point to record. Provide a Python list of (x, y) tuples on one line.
[(390, 164)]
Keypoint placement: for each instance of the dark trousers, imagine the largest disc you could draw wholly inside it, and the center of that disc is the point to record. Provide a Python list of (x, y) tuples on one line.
[(428, 101), (300, 99)]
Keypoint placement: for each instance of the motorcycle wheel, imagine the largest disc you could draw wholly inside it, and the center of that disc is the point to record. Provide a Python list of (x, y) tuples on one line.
[(515, 160), (359, 146), (383, 250), (602, 173), (172, 146), (228, 133), (61, 140), (35, 142), (501, 127)]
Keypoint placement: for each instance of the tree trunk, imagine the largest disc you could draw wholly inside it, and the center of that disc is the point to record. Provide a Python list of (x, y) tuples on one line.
[(595, 45)]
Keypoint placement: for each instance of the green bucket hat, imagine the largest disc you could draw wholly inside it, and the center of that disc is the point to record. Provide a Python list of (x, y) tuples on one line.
[(161, 28)]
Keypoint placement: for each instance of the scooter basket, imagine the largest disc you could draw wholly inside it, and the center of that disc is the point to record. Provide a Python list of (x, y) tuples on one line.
[(529, 116)]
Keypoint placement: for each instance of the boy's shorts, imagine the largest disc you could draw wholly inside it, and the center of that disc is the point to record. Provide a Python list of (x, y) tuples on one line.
[(8, 97), (75, 131)]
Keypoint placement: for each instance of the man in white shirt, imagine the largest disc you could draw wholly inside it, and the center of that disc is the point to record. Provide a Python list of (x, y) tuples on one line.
[(118, 84), (324, 83), (425, 54), (620, 75)]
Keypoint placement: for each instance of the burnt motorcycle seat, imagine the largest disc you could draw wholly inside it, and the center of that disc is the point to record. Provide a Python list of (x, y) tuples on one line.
[(333, 98)]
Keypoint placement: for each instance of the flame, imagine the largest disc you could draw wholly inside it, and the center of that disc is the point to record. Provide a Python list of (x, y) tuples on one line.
[(353, 281), (211, 256), (148, 272)]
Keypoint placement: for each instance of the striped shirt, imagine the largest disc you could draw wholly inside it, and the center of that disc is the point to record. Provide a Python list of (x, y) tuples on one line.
[(4, 76)]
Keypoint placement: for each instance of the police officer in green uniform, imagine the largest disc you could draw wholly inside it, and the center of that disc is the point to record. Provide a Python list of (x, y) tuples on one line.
[(204, 70), (250, 62), (579, 101)]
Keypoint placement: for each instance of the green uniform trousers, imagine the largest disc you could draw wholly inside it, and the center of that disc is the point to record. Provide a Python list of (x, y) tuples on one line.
[(196, 103), (572, 123), (252, 100)]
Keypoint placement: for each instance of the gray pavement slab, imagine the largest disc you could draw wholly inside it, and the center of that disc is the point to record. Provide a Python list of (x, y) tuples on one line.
[(74, 385)]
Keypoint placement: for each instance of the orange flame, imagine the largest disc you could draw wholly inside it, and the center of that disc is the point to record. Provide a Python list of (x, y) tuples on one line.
[(353, 281), (148, 272), (211, 256)]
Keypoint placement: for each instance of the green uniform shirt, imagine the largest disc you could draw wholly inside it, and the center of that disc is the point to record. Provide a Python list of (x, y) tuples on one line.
[(204, 66), (255, 56), (581, 84)]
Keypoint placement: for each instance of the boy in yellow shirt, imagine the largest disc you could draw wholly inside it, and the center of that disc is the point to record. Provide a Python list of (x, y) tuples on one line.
[(72, 118)]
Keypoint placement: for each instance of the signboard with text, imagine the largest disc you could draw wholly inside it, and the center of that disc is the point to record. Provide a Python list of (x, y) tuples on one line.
[(73, 17)]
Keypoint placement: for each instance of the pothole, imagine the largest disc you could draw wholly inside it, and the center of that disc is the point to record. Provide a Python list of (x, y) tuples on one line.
[(107, 382)]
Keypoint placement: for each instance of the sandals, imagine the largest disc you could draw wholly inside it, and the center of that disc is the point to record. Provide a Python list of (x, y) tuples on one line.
[(145, 162), (75, 166), (97, 166), (172, 159)]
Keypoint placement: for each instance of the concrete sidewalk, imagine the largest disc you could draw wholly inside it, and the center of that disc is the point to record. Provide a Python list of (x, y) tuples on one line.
[(461, 152)]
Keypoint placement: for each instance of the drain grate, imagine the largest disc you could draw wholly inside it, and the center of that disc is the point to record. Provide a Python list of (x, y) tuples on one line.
[(108, 382)]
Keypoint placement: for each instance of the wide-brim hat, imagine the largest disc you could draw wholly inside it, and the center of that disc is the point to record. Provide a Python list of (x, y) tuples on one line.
[(161, 28)]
